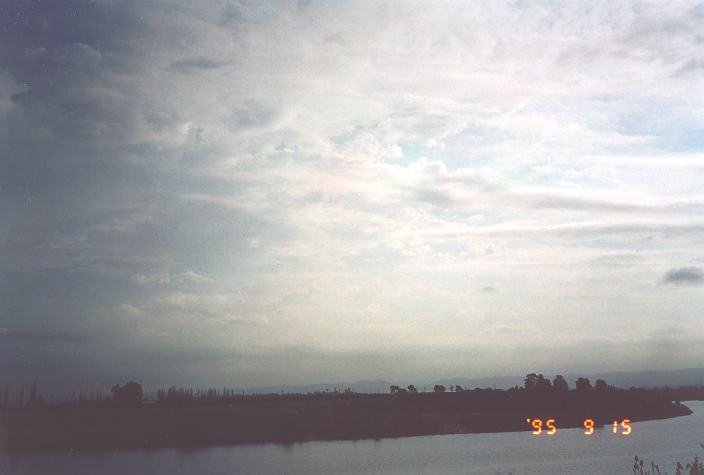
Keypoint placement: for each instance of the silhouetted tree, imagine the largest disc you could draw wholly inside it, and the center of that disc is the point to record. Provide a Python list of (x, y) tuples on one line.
[(34, 397), (439, 388), (459, 388), (536, 382), (542, 383), (5, 397), (530, 381), (128, 395), (412, 389), (559, 384), (600, 385), (583, 385)]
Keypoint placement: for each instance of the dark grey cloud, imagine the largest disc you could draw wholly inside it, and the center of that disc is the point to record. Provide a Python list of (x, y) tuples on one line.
[(254, 115), (483, 190), (231, 13), (199, 63), (93, 158), (92, 167), (684, 276), (435, 196)]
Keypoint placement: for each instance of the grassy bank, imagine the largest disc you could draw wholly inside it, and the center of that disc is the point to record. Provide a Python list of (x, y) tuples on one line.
[(286, 419)]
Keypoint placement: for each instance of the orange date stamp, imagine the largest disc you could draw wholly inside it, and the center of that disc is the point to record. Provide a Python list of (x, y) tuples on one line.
[(549, 427)]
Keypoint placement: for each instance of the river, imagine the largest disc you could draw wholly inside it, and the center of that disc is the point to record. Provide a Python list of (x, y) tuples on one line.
[(569, 451)]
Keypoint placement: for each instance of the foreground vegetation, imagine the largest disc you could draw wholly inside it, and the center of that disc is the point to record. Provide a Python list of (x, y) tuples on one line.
[(640, 467)]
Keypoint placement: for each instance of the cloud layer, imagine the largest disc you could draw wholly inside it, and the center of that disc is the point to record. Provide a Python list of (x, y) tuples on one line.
[(235, 190), (684, 275)]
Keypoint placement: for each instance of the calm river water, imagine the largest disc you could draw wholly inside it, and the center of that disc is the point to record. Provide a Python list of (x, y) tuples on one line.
[(569, 451)]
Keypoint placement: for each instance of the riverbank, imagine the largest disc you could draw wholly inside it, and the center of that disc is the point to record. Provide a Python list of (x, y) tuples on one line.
[(301, 418)]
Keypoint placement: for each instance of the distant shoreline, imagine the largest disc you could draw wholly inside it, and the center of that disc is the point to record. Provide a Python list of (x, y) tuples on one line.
[(287, 420)]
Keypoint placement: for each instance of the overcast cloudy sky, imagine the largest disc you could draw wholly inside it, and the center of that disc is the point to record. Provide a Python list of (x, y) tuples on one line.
[(295, 192)]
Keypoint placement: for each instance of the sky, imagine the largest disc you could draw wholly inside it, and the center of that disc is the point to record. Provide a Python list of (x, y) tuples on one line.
[(261, 193)]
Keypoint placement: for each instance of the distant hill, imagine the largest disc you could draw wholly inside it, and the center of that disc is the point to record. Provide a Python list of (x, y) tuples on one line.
[(623, 379), (645, 379)]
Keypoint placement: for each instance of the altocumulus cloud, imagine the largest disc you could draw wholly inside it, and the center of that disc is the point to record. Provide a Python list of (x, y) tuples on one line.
[(684, 276)]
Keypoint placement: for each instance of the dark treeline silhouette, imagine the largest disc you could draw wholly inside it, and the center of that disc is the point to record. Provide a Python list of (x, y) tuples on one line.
[(128, 395), (190, 397), (33, 397), (189, 417)]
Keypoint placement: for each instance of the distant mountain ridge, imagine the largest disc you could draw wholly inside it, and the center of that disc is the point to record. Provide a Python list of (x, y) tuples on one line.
[(621, 379)]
